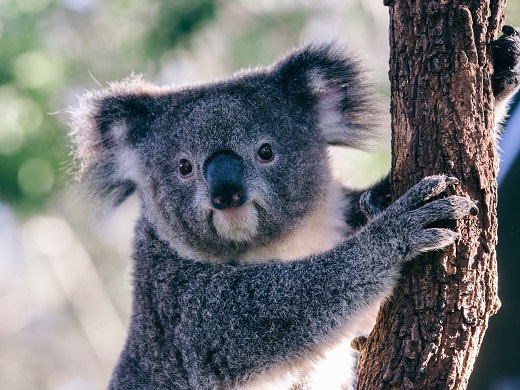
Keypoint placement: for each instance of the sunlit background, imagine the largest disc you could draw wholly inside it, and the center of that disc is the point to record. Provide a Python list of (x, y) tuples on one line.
[(64, 265)]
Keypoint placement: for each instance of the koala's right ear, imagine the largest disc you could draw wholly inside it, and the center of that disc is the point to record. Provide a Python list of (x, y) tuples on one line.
[(105, 126), (329, 81)]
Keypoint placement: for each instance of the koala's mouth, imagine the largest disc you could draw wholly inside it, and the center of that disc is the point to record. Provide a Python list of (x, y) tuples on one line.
[(237, 224)]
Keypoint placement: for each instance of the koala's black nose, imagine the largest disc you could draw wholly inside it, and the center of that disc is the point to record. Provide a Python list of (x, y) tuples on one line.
[(225, 175)]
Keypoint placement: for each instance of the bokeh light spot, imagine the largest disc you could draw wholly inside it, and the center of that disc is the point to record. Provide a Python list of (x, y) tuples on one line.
[(38, 70), (18, 116), (35, 177)]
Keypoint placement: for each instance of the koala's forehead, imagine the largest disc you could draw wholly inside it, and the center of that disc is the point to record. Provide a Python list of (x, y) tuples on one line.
[(226, 113)]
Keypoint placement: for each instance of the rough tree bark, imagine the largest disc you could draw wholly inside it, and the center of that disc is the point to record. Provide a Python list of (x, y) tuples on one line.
[(428, 335)]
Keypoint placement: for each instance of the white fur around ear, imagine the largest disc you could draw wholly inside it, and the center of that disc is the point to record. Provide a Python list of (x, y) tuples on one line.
[(100, 131), (346, 109), (93, 115), (331, 119)]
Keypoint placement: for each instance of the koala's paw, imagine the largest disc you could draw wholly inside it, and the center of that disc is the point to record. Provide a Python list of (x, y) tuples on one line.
[(373, 203), (410, 216), (506, 59)]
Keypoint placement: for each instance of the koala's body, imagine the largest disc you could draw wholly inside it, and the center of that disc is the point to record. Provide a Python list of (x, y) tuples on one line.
[(253, 266)]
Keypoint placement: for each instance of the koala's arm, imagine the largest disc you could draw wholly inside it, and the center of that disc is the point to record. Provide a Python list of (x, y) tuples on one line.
[(218, 326)]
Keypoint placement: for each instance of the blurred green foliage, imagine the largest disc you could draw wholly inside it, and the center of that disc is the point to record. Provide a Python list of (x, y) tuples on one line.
[(46, 48), (266, 34), (31, 146), (175, 22)]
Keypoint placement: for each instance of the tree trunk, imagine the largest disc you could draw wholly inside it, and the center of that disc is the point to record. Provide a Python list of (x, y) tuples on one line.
[(428, 334)]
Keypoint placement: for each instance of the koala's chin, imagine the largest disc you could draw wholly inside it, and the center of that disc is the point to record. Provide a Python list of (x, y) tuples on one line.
[(239, 224)]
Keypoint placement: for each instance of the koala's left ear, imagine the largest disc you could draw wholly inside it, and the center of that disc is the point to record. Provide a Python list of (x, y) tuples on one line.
[(105, 127), (327, 80)]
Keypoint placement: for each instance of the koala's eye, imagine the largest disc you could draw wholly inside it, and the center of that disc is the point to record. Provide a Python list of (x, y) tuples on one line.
[(265, 152), (185, 168)]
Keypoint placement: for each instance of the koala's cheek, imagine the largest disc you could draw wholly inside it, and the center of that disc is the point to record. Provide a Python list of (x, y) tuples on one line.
[(237, 223)]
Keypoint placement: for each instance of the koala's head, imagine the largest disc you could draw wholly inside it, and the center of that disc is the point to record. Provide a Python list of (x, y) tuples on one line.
[(228, 166)]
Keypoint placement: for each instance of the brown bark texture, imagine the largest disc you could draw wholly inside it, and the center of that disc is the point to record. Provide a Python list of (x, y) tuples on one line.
[(429, 333)]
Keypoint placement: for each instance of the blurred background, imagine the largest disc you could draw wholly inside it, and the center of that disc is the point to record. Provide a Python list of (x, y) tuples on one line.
[(64, 265)]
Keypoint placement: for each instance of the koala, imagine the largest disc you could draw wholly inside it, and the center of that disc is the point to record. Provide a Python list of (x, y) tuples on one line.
[(253, 267)]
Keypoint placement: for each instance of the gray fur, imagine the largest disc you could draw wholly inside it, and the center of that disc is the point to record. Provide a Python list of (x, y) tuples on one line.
[(216, 303)]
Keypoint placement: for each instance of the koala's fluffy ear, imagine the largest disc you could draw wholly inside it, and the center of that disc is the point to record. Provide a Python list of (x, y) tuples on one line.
[(104, 128), (324, 77)]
